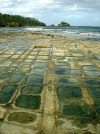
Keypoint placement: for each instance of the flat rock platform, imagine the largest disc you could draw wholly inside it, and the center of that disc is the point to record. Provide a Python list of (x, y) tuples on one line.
[(49, 84)]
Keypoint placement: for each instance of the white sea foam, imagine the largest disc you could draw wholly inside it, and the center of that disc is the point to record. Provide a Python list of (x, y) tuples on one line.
[(34, 29)]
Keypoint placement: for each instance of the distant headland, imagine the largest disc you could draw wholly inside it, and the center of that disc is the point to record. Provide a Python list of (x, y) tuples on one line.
[(7, 20)]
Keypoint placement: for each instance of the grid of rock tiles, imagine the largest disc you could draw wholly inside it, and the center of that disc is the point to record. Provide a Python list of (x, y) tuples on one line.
[(36, 73)]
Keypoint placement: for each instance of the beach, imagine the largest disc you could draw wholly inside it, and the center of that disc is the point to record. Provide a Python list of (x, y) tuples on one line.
[(49, 84)]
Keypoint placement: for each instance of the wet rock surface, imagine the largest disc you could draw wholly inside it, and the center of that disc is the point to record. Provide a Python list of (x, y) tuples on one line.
[(49, 85)]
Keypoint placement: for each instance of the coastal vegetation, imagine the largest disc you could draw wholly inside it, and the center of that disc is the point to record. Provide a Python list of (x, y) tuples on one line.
[(7, 20), (64, 24)]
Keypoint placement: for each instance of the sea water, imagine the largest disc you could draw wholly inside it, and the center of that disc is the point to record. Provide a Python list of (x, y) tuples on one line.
[(85, 32)]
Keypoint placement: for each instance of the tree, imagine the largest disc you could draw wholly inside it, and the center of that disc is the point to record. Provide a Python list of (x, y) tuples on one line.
[(17, 20)]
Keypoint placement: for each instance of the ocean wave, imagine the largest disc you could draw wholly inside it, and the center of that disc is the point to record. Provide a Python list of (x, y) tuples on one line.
[(41, 29), (82, 33), (33, 29)]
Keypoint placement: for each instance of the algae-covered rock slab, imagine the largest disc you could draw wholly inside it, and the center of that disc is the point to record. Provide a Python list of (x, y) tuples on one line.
[(62, 71), (80, 113), (6, 93), (97, 108), (38, 71), (34, 79), (77, 109), (28, 102), (16, 78), (94, 92), (92, 82), (40, 64), (75, 73), (92, 74), (65, 92), (89, 67), (62, 80), (31, 89), (22, 117)]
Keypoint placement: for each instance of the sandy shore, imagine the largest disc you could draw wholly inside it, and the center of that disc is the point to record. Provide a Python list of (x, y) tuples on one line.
[(49, 84)]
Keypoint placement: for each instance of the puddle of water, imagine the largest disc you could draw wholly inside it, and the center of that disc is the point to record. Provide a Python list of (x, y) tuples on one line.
[(89, 67), (94, 92), (92, 74), (68, 72), (75, 73), (62, 71), (67, 80), (16, 78), (31, 90), (97, 57), (40, 64), (12, 69), (28, 102), (37, 71), (64, 92), (6, 93), (33, 79), (22, 117), (91, 82)]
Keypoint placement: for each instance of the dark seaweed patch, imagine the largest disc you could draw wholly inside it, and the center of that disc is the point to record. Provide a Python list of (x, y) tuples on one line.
[(65, 92), (31, 90), (6, 93), (29, 102), (81, 113), (22, 117), (33, 79)]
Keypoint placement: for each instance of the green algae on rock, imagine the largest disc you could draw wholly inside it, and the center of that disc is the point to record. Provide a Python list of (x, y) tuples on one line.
[(34, 79), (22, 117), (6, 93), (65, 92), (92, 74), (31, 90), (89, 67), (59, 122), (97, 108), (92, 82), (28, 102), (62, 71), (62, 80), (38, 71), (16, 78), (81, 113), (40, 64), (94, 92)]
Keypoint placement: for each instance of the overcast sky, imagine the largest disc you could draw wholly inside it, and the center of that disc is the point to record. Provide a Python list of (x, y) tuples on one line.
[(75, 12)]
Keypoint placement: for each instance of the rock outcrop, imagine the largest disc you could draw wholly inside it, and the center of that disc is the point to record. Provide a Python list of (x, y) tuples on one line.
[(64, 24)]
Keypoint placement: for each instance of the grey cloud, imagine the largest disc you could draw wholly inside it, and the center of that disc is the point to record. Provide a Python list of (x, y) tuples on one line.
[(82, 4), (37, 5)]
